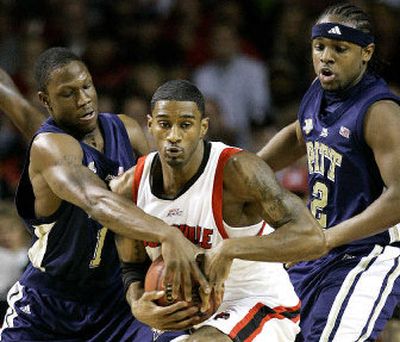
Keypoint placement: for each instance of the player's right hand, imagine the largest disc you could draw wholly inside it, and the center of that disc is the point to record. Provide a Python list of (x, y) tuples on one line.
[(178, 316), (182, 269)]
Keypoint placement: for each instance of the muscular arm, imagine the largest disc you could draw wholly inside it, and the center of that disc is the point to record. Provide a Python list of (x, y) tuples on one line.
[(21, 113), (381, 129), (284, 148), (297, 236), (57, 160)]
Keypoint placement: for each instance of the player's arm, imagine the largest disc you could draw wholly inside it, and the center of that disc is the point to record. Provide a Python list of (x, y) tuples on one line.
[(284, 148), (297, 234), (57, 158), (136, 135), (135, 263), (179, 253), (381, 130), (21, 113)]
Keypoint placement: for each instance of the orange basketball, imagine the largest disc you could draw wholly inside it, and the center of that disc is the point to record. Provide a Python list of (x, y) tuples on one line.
[(154, 282)]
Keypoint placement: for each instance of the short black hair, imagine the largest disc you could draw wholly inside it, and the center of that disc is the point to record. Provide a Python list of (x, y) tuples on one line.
[(50, 60), (179, 90)]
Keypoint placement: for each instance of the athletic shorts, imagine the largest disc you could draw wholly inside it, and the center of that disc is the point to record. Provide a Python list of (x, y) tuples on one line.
[(348, 295), (34, 316), (250, 319)]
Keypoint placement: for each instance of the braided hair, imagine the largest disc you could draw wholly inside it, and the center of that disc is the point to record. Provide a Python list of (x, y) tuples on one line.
[(353, 16)]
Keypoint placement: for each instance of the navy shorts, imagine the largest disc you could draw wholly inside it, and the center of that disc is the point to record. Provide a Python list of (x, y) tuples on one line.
[(348, 295), (34, 316)]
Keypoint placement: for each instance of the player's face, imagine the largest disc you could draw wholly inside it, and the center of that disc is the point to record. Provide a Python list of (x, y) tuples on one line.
[(71, 98), (178, 131), (339, 64)]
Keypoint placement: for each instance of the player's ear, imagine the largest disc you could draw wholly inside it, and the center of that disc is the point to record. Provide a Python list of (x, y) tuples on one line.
[(367, 52), (44, 98), (149, 121), (204, 127)]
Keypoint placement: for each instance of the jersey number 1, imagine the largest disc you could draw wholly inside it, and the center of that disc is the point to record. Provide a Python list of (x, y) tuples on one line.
[(101, 236)]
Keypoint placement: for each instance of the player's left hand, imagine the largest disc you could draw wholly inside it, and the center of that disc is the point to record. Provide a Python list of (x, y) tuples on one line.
[(217, 267)]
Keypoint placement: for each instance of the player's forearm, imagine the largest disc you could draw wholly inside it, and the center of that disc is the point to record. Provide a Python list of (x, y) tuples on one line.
[(378, 217), (124, 218), (283, 245)]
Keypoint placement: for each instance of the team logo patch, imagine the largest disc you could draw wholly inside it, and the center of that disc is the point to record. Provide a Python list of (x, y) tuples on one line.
[(324, 133), (308, 126), (335, 30), (175, 212), (344, 132), (223, 315)]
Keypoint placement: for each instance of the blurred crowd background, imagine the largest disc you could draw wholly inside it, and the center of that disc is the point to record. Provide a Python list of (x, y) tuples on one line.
[(250, 58)]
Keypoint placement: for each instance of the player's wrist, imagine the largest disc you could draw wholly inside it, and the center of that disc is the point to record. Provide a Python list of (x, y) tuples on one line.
[(169, 234)]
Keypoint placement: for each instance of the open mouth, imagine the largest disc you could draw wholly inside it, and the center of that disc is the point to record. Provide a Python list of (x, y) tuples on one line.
[(326, 75), (88, 116)]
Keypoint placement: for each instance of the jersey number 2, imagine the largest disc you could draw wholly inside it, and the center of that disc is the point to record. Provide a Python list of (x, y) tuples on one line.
[(319, 202), (101, 236)]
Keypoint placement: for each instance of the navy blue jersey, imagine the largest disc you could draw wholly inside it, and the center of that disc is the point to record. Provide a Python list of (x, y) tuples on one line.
[(72, 255), (344, 178)]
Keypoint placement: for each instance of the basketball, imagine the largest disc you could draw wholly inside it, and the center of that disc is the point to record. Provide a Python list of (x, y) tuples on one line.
[(154, 282)]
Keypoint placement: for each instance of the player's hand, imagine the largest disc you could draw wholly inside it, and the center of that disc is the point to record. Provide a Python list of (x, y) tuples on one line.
[(178, 316), (182, 270), (217, 267)]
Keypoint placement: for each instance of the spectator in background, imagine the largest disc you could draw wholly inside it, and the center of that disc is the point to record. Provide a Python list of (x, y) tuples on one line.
[(14, 242), (238, 83)]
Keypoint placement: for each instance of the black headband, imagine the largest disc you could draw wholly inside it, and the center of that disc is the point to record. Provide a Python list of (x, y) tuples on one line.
[(341, 32)]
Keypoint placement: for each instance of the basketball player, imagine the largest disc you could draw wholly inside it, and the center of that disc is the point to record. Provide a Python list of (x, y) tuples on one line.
[(71, 289), (212, 192), (348, 125)]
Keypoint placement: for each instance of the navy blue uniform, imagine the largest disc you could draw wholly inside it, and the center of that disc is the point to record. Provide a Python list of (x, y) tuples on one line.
[(72, 288), (349, 294)]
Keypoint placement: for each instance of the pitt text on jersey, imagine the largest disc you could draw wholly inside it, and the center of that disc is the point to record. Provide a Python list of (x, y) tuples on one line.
[(318, 153)]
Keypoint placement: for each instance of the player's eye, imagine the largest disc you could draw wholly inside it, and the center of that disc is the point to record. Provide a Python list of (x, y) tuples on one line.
[(164, 124), (319, 47), (341, 49), (186, 125)]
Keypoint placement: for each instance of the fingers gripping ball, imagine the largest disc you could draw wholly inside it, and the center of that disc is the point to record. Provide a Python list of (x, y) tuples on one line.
[(154, 282)]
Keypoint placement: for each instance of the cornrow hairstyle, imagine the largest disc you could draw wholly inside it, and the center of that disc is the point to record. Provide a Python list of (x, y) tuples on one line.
[(353, 16), (179, 90), (50, 60)]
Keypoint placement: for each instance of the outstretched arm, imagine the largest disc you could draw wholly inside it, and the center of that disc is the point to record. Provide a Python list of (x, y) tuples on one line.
[(21, 113), (381, 129), (284, 148)]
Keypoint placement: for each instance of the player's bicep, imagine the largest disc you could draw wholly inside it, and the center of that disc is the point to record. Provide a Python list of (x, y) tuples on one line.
[(57, 158), (382, 127), (254, 181)]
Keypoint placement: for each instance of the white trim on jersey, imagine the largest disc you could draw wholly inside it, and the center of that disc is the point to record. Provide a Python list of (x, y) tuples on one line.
[(14, 295), (394, 233), (364, 281), (38, 250)]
